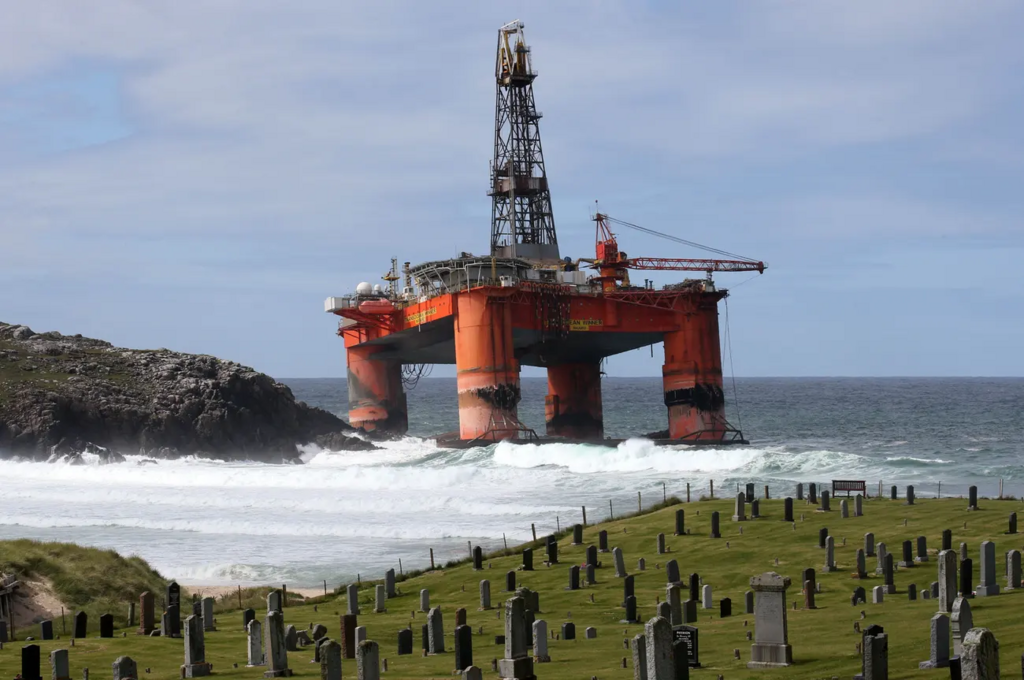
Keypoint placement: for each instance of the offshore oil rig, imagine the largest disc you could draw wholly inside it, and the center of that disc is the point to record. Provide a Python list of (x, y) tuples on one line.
[(524, 305)]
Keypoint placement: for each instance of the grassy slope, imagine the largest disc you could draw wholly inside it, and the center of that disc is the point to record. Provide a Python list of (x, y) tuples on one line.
[(88, 579), (823, 639)]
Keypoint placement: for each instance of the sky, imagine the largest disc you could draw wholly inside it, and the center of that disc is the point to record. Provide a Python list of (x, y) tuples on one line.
[(200, 175)]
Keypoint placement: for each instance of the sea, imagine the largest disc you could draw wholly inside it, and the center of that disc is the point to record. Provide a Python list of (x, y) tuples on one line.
[(343, 514)]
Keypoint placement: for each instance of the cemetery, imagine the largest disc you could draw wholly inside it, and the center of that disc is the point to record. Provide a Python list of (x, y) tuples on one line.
[(784, 590)]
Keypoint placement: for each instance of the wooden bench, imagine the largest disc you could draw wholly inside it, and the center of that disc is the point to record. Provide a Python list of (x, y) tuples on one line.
[(849, 486)]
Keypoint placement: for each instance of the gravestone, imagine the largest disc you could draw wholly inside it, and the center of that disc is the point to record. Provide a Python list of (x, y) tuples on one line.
[(1013, 570), (602, 541), (247, 616), (972, 498), (748, 602), (107, 626), (912, 592), (195, 665), (830, 555), (660, 658), (771, 639), (812, 492), (59, 667), (146, 616), (291, 639), (46, 630), (910, 495), (478, 558), (755, 509), (674, 599), (552, 550), (81, 625), (379, 599), (739, 514), (822, 536), (425, 600), (844, 509), (591, 575), (574, 577), (464, 645), (875, 655), (947, 539), (460, 616), (933, 588), (963, 552), (620, 563), (208, 622), (962, 621), (30, 664), (510, 582), (424, 638), (1012, 528), (318, 632), (639, 648), (569, 631), (631, 616), (672, 571), (947, 580), (540, 641), (527, 559), (435, 631), (275, 652), (485, 594), (680, 523), (353, 600), (878, 595), (330, 660), (690, 611), (859, 595), (532, 598), (577, 535), (592, 555), (125, 668), (869, 544), (749, 497), (967, 578), (881, 552), (826, 501), (590, 633), (197, 608), (705, 597), (787, 512), (368, 661), (627, 589), (988, 585), (724, 607), (254, 636), (275, 601), (641, 564), (716, 531), (389, 583), (800, 491), (939, 655), (664, 610), (893, 493), (694, 586), (173, 595), (661, 544), (404, 642), (517, 663), (890, 575), (858, 506), (980, 657), (347, 635), (922, 549), (808, 590), (908, 555), (862, 564)]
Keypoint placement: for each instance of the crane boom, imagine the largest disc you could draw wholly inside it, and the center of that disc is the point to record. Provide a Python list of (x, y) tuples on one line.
[(694, 265)]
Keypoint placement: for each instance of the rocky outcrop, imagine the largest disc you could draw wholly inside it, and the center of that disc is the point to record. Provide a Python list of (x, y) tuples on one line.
[(69, 396)]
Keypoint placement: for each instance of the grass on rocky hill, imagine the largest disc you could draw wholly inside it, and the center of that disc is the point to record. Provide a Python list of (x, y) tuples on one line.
[(824, 640)]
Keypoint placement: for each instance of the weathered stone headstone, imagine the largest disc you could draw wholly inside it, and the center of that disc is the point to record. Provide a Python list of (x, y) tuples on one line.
[(591, 575), (875, 654), (910, 495), (517, 662), (661, 663), (170, 625), (705, 597), (812, 492), (939, 656), (208, 622), (664, 610), (908, 556), (275, 601), (748, 602), (844, 509), (254, 637), (464, 646), (146, 615), (882, 551), (540, 641), (330, 660), (963, 552), (878, 595), (425, 639), (592, 555), (368, 661), (197, 608), (46, 630), (639, 648), (922, 549), (858, 506), (808, 590), (275, 652), (862, 564), (1012, 528), (962, 621), (1013, 576), (379, 599), (787, 512), (404, 642), (800, 491), (988, 585), (771, 638), (125, 668), (552, 550), (869, 544), (59, 667), (967, 578), (739, 514), (460, 616), (979, 659), (425, 599), (81, 625), (661, 544), (972, 498), (947, 539), (602, 540), (478, 558), (826, 501), (527, 559), (195, 665), (353, 600), (627, 589), (291, 639), (912, 592), (830, 555), (574, 577), (755, 509), (947, 580), (631, 615), (590, 633), (620, 562), (173, 595), (389, 583), (485, 594), (680, 523), (347, 635), (532, 598), (674, 599), (641, 564), (890, 575), (716, 531), (672, 571), (577, 535), (435, 631), (690, 611)]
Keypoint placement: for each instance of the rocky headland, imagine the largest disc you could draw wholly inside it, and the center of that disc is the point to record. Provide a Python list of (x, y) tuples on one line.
[(64, 396)]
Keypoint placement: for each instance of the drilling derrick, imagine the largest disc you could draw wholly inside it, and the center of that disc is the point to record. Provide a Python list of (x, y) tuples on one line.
[(522, 224), (521, 305)]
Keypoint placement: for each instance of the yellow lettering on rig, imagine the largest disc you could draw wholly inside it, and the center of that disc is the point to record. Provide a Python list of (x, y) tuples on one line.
[(419, 317), (584, 324)]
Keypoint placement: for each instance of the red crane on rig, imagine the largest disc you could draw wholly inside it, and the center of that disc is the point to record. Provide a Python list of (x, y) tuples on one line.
[(613, 263)]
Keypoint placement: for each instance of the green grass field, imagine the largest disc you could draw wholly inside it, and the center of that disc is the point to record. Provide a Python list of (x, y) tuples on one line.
[(823, 640)]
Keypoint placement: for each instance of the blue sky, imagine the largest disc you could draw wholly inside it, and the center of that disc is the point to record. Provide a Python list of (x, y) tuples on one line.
[(200, 175)]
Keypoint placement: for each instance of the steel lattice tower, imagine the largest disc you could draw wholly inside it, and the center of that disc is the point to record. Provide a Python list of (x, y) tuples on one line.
[(522, 224)]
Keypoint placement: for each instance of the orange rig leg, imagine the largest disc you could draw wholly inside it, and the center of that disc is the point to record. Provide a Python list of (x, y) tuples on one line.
[(376, 401), (692, 377), (487, 370), (572, 407)]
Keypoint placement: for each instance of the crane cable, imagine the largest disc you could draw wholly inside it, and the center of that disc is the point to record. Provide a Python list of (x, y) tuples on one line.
[(732, 369), (670, 237)]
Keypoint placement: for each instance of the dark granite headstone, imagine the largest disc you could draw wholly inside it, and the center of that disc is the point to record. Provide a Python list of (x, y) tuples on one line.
[(405, 641), (463, 648), (30, 662), (107, 626), (46, 630), (724, 607), (527, 559), (569, 631)]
